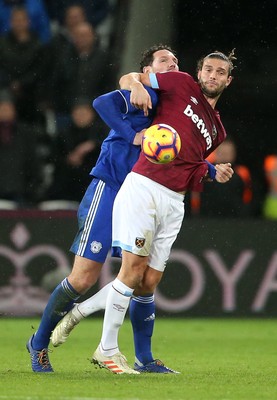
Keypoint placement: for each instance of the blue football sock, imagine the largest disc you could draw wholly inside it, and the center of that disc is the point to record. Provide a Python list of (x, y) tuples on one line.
[(60, 302), (142, 315)]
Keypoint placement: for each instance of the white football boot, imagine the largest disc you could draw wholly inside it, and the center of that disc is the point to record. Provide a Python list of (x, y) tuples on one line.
[(117, 363)]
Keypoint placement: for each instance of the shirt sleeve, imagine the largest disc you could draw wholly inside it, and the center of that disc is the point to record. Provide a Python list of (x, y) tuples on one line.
[(168, 81), (111, 107), (153, 81)]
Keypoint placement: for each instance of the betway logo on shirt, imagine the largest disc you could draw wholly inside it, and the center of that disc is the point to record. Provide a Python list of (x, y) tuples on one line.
[(200, 125)]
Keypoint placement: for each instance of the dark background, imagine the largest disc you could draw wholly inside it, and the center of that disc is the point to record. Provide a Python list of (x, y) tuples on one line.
[(248, 109)]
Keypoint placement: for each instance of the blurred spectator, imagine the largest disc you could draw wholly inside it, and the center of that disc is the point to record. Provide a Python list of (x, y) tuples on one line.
[(21, 64), (270, 202), (39, 19), (60, 42), (233, 199), (62, 39), (98, 13), (76, 150), (18, 160), (82, 70)]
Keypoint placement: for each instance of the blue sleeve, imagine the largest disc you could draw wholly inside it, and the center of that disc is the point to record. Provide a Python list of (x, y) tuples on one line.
[(153, 81), (211, 170), (111, 107)]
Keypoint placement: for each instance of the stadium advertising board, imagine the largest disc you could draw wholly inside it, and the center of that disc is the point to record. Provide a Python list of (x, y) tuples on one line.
[(216, 268)]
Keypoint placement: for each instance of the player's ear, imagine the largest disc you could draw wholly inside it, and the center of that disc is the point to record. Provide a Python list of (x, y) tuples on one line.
[(147, 69), (229, 80)]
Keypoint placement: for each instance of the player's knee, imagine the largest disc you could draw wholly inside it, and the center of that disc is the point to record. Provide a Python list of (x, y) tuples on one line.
[(133, 274), (83, 282), (84, 274), (147, 286), (150, 281)]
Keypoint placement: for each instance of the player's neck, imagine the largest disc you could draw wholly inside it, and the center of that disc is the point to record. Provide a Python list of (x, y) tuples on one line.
[(212, 101)]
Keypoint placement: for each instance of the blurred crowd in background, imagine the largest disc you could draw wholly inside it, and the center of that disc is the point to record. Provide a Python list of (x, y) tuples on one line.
[(55, 58)]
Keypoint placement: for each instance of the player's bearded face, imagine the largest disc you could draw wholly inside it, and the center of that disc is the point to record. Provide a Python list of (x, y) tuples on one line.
[(213, 77), (211, 90)]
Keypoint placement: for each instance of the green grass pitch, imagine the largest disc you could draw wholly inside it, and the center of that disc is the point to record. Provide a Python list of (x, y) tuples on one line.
[(219, 359)]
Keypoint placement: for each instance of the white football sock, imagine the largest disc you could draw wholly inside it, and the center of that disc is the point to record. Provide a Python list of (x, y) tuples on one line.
[(94, 303), (116, 306)]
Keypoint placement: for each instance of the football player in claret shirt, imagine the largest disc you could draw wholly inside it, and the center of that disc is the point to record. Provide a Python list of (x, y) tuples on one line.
[(119, 152), (149, 207)]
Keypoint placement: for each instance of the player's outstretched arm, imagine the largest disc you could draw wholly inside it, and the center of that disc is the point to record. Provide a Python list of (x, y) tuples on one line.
[(111, 107), (140, 98), (224, 172)]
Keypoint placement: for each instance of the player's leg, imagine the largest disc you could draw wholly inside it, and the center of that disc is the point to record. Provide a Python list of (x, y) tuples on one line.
[(89, 257), (80, 311), (142, 307), (60, 302), (96, 232), (129, 227), (96, 302), (131, 273), (142, 316)]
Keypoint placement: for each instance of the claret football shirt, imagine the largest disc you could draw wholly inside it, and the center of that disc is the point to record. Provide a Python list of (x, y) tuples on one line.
[(183, 106)]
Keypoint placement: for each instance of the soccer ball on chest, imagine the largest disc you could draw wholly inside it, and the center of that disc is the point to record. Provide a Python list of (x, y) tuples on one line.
[(161, 144)]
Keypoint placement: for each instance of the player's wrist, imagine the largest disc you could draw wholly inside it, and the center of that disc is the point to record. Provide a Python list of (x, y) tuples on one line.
[(135, 85), (129, 80), (211, 173)]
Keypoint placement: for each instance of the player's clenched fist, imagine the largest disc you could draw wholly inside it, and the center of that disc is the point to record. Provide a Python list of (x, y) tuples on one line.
[(224, 172)]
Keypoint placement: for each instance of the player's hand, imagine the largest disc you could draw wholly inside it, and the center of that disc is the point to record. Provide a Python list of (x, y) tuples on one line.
[(224, 172), (138, 138), (140, 98)]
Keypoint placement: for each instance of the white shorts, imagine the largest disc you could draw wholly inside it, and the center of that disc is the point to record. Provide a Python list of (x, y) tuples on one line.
[(147, 218)]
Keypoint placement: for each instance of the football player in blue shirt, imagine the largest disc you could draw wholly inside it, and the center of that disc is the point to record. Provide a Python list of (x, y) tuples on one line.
[(119, 152)]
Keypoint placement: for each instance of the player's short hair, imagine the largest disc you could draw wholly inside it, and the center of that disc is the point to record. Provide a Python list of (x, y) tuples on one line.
[(221, 56), (148, 55)]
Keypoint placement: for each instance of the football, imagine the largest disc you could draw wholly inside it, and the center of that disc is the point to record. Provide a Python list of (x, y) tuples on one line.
[(161, 143)]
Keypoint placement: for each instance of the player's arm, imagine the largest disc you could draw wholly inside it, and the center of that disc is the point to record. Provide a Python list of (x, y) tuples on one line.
[(127, 81), (111, 107), (134, 82)]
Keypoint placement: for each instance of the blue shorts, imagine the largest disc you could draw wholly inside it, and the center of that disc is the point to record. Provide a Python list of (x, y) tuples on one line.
[(94, 238)]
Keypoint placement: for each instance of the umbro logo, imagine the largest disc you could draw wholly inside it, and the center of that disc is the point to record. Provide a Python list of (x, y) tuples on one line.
[(194, 100), (118, 307)]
